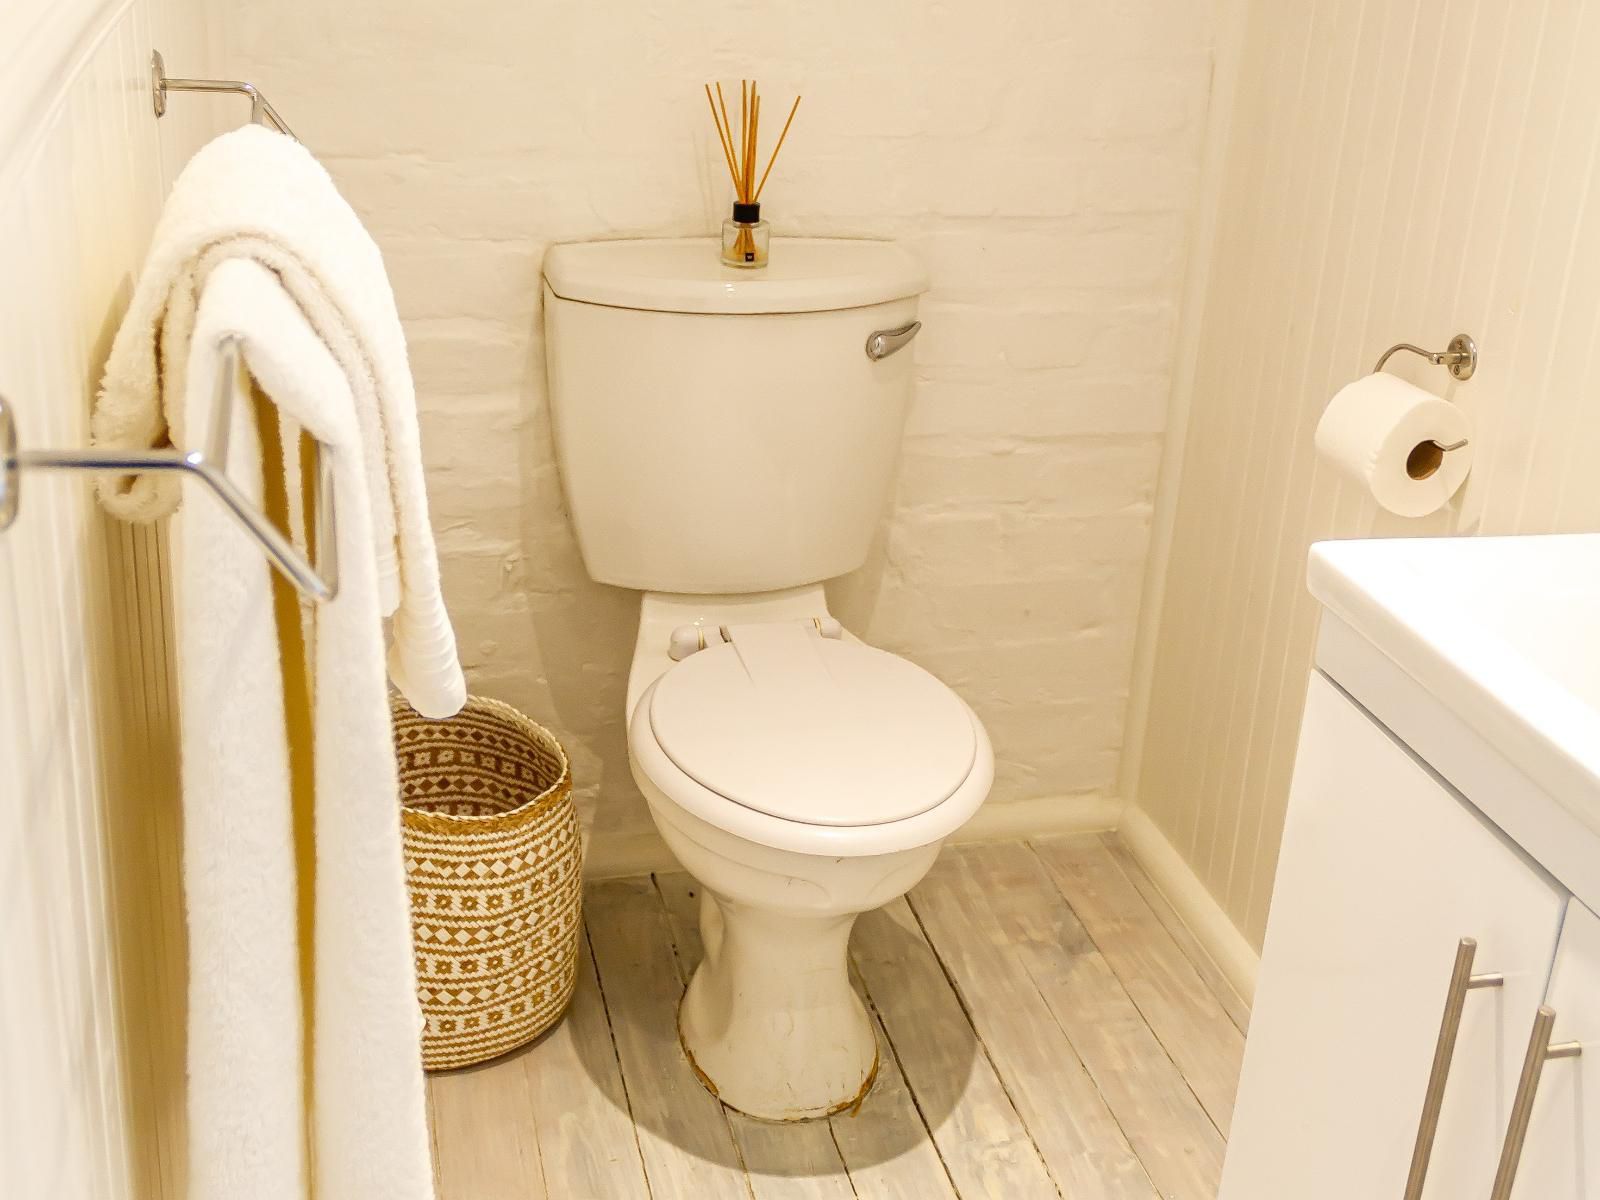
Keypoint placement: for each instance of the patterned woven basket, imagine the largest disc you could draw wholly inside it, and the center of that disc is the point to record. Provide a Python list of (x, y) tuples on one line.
[(493, 862)]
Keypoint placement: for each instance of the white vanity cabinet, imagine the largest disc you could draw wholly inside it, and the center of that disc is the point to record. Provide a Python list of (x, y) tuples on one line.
[(1383, 871), (1447, 787)]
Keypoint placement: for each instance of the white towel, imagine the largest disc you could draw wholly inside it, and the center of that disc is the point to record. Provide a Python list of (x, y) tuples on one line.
[(259, 195), (255, 241), (245, 1100), (367, 1131)]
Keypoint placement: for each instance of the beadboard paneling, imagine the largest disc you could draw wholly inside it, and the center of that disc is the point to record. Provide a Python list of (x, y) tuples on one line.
[(1397, 171), (91, 995)]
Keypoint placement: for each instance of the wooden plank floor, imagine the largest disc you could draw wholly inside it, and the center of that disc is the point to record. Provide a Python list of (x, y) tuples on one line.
[(1043, 1033)]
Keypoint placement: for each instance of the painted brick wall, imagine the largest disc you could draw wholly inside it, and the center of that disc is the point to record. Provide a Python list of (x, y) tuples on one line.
[(1041, 156)]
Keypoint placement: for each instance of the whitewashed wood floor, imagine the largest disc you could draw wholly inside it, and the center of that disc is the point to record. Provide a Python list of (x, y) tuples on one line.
[(1046, 1029)]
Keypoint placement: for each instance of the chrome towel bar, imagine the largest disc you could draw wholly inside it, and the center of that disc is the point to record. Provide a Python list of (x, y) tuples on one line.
[(321, 582)]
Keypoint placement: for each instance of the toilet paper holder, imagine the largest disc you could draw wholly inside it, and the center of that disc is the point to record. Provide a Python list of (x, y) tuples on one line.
[(1460, 358)]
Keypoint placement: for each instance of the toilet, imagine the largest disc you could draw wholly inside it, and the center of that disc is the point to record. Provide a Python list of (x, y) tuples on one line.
[(727, 441)]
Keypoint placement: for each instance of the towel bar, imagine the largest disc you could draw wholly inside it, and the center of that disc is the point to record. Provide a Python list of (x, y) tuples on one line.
[(260, 107), (320, 582)]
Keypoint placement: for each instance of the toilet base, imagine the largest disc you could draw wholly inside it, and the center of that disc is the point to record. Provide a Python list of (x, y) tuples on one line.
[(770, 1022), (844, 1106)]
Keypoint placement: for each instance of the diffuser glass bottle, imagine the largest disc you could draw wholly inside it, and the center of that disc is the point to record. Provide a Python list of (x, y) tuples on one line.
[(746, 238)]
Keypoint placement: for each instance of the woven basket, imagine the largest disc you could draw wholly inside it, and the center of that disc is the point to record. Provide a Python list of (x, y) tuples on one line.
[(493, 862)]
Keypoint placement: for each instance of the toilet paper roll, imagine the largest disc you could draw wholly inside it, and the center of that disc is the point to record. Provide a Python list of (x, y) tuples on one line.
[(1384, 434)]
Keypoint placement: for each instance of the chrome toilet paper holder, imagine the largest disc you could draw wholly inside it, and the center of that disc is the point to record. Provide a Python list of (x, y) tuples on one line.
[(1460, 358)]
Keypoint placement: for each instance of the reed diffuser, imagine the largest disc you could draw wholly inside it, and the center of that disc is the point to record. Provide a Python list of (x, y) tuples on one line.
[(746, 237)]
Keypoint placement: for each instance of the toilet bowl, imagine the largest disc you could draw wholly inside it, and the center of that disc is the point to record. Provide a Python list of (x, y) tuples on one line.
[(802, 782), (727, 440)]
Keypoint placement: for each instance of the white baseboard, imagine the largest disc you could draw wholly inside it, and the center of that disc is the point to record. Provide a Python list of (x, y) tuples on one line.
[(1216, 933), (616, 855), (1040, 817)]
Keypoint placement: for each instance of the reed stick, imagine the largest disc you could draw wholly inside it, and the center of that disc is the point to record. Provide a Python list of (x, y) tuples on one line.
[(722, 140), (727, 126), (775, 149), (742, 157), (755, 137)]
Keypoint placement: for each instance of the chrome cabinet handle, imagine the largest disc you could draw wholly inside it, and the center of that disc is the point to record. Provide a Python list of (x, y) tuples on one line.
[(1540, 1051), (1462, 981), (887, 341)]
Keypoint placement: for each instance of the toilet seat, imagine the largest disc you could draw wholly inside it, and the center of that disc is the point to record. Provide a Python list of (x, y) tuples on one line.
[(813, 729), (680, 800)]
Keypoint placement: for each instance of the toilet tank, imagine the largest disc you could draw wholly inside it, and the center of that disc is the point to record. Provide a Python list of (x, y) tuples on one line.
[(723, 430)]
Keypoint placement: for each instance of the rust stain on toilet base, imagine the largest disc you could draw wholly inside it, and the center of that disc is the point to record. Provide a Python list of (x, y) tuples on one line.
[(850, 1107)]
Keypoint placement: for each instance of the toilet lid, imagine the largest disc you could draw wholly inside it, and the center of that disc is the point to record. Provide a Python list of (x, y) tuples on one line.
[(807, 728)]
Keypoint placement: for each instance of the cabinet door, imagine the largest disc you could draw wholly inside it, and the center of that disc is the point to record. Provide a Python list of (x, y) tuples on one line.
[(1560, 1157), (1383, 871)]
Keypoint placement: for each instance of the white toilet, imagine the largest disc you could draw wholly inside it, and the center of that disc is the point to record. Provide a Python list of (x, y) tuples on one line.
[(727, 441)]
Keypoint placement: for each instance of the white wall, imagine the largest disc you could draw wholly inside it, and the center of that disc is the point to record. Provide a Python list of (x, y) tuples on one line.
[(1041, 157), (1398, 172), (91, 973)]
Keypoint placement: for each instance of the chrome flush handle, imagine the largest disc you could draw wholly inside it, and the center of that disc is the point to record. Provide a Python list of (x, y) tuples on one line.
[(888, 341)]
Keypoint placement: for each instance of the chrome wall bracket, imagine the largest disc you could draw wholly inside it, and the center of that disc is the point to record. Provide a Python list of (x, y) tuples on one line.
[(1460, 357), (261, 110)]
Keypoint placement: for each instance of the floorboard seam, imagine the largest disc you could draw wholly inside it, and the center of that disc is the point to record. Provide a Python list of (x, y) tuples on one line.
[(683, 983), (538, 1143), (833, 1136), (433, 1138), (1175, 915), (1111, 840), (880, 1023), (1155, 1034), (1088, 1073), (1005, 1086), (1094, 1079), (544, 1176), (611, 1036)]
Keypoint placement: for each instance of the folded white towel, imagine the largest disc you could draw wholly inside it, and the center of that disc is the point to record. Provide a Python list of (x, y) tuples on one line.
[(367, 1131), (256, 242), (258, 195)]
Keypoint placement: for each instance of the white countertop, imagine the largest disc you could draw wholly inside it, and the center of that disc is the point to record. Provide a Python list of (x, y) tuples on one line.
[(1503, 632)]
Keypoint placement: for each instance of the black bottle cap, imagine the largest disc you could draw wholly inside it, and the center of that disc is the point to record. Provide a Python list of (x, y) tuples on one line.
[(746, 214)]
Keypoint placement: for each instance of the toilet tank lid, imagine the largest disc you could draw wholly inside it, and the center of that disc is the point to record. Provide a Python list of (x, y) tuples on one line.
[(686, 275)]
